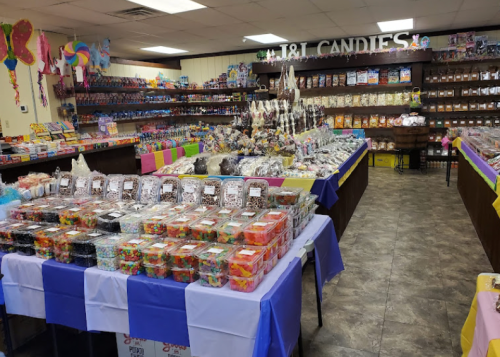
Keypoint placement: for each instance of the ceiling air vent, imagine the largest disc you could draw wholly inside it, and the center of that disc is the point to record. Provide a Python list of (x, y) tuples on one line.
[(137, 13)]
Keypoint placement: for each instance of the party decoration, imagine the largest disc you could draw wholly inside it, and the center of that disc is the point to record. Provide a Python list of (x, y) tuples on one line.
[(13, 42), (62, 65), (99, 58), (76, 53), (44, 64)]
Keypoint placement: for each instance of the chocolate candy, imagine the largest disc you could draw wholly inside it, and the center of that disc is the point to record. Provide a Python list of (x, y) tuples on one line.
[(25, 249), (169, 190), (256, 193), (190, 190), (130, 188), (66, 184), (86, 261), (82, 186), (97, 185), (233, 193), (211, 191), (150, 186)]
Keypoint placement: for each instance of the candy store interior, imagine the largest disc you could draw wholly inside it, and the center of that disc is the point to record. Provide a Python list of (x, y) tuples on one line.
[(279, 178)]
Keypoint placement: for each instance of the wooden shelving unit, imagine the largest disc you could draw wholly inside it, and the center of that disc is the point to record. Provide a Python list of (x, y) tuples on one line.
[(462, 114), (493, 82), (175, 117), (310, 92), (393, 109), (87, 109), (163, 90)]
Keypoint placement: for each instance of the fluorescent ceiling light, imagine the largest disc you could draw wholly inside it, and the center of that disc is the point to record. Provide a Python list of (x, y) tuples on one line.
[(396, 25), (163, 49), (266, 38), (170, 6)]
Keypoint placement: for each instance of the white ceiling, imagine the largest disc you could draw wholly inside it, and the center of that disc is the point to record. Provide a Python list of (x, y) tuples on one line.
[(222, 25)]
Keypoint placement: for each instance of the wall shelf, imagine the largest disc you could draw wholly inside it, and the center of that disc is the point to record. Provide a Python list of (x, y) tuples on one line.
[(455, 99), (493, 82), (394, 109), (163, 90), (461, 114), (125, 121), (87, 109), (350, 89)]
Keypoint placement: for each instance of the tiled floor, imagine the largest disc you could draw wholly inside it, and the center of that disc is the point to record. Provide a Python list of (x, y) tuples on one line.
[(411, 259)]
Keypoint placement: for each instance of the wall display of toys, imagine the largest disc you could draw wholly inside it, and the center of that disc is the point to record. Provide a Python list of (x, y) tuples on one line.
[(467, 46)]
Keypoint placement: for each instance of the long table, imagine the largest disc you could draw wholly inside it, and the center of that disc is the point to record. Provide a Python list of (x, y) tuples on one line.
[(213, 322)]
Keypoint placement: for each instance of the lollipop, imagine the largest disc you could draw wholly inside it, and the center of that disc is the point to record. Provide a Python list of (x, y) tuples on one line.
[(76, 53)]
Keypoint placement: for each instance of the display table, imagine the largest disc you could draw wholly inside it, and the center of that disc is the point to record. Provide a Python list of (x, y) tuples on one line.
[(481, 332), (213, 322), (477, 185), (155, 160)]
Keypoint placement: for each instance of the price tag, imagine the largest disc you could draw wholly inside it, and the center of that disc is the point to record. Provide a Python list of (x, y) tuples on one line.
[(59, 207), (255, 191), (128, 185), (137, 215), (234, 224), (182, 219), (64, 182), (232, 191), (16, 225), (215, 250), (208, 223), (95, 234), (247, 252), (275, 213), (75, 209), (159, 217), (167, 187), (116, 215), (201, 209), (72, 233), (44, 206), (285, 193), (225, 211), (180, 207), (113, 186), (53, 229), (188, 247), (3, 223), (80, 183), (98, 210), (33, 227), (98, 202), (189, 188), (159, 245), (28, 205), (209, 190), (260, 224), (115, 238), (135, 241), (249, 214), (96, 184)]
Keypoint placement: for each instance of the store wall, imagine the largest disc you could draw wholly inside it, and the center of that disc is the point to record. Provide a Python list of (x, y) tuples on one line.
[(122, 70)]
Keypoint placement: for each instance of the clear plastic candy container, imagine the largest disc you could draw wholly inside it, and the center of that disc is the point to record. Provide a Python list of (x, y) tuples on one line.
[(281, 217), (18, 212), (211, 191), (131, 188), (170, 189), (270, 264), (84, 244), (131, 250), (179, 227), (246, 285), (150, 186), (287, 195), (217, 280), (246, 261), (231, 231), (213, 258), (191, 190), (108, 246), (7, 228), (157, 271), (184, 255), (88, 218), (35, 213), (63, 257), (156, 224), (82, 186), (248, 214), (70, 216), (259, 232), (132, 223), (44, 253), (7, 247), (64, 241), (233, 193), (51, 213), (110, 221), (131, 267), (185, 275), (272, 248), (25, 249), (157, 253), (25, 234), (114, 187), (224, 212), (205, 228), (108, 264), (203, 210), (182, 208), (256, 191)]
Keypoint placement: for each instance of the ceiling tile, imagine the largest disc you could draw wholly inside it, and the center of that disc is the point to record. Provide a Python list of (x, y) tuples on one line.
[(403, 9), (286, 8), (181, 37), (218, 3), (351, 16), (208, 17), (77, 13), (474, 4), (104, 6), (242, 29), (361, 30), (173, 22), (312, 21), (248, 12), (337, 5), (434, 22), (475, 15), (41, 20), (137, 27), (328, 33), (211, 33), (29, 4)]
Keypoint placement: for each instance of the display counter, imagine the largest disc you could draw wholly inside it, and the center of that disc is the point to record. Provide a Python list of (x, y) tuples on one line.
[(477, 185), (155, 160), (117, 159)]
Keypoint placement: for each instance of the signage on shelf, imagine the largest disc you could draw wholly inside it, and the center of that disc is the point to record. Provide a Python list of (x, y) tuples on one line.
[(351, 44)]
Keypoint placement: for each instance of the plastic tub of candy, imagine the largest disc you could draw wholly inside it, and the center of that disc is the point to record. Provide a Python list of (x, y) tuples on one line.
[(259, 232), (63, 257), (270, 263), (184, 255), (88, 218), (231, 231), (213, 258), (286, 195), (18, 212), (84, 244), (132, 223), (82, 186), (271, 248), (158, 208), (311, 201), (44, 237), (108, 247), (110, 222), (246, 285), (158, 253), (71, 216), (233, 193), (202, 211), (131, 188), (205, 229), (156, 224), (8, 227), (51, 213), (246, 260), (303, 223), (190, 190), (64, 242), (296, 232), (114, 187), (85, 261), (131, 267), (170, 189), (256, 191), (182, 208), (157, 271), (7, 246), (131, 250), (211, 191), (281, 217), (35, 213), (179, 227), (25, 234), (248, 214), (217, 280), (313, 209), (185, 275), (150, 187), (108, 264), (224, 212), (149, 237), (292, 210), (284, 249), (296, 220), (44, 253), (25, 249)]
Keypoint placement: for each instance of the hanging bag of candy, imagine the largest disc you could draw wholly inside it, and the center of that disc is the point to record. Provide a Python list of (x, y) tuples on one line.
[(415, 98)]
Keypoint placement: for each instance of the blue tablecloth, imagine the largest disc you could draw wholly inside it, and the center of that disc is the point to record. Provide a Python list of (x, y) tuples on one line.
[(325, 190), (346, 165)]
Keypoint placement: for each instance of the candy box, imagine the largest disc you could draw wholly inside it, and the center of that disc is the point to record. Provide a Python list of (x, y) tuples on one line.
[(25, 249), (110, 222), (131, 267), (44, 253), (296, 220), (132, 223), (217, 280), (233, 193), (224, 212), (70, 216), (7, 247), (203, 210), (149, 237), (246, 261), (231, 231), (248, 214), (7, 227), (63, 257), (158, 253), (272, 248), (107, 247), (25, 234), (51, 213), (84, 244), (256, 191), (156, 271), (246, 285), (281, 217), (296, 232), (259, 232), (156, 224), (85, 261), (131, 250), (157, 208), (286, 195), (179, 227), (185, 275), (212, 258), (205, 229), (88, 218), (184, 256), (270, 264), (108, 264), (64, 241), (190, 190)]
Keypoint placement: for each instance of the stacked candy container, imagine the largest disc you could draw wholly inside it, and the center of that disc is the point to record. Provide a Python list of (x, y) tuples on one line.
[(256, 191), (281, 217), (7, 227), (131, 188), (191, 190), (107, 251), (205, 228), (156, 224), (211, 191), (70, 216), (246, 265), (114, 187), (203, 210), (231, 231), (63, 244), (110, 222), (286, 195), (44, 239), (156, 258), (233, 193), (88, 217), (286, 240), (132, 223), (25, 233), (271, 255), (179, 226), (259, 232), (248, 214), (213, 266), (184, 261), (84, 244), (224, 212), (35, 213), (130, 256), (6, 242), (170, 189), (18, 212), (150, 186), (51, 213)]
